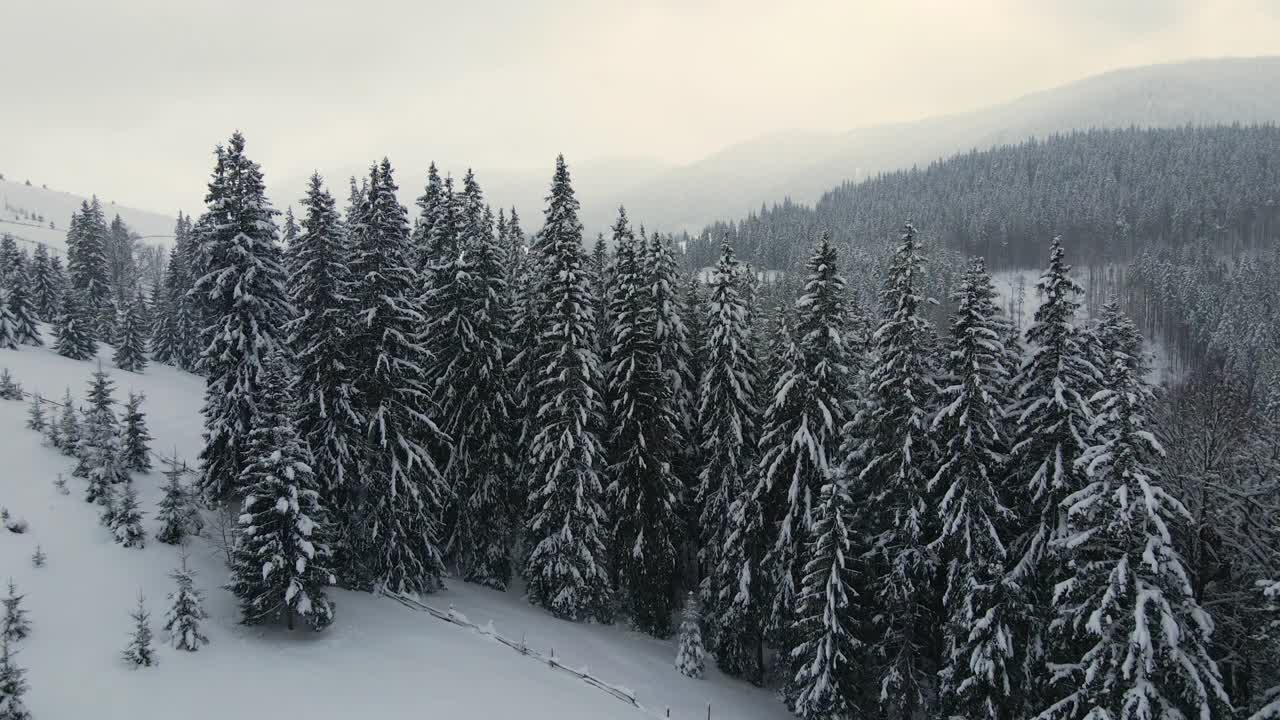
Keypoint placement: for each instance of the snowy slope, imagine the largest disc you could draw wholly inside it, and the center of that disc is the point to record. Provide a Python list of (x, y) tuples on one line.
[(19, 201), (380, 659)]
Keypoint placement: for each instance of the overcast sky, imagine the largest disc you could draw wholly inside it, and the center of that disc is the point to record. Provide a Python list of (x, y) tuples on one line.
[(126, 98)]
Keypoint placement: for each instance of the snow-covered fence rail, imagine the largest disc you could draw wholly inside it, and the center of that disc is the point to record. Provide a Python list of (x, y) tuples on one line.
[(450, 616)]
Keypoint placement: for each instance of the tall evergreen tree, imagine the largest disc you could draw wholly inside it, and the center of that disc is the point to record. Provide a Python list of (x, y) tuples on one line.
[(136, 435), (403, 492), (567, 569), (894, 458), (732, 537), (24, 315), (467, 306), (122, 269), (279, 566), (1051, 396), (10, 259), (643, 489), (131, 339), (320, 339), (8, 324), (88, 267), (244, 305), (430, 208), (826, 658), (179, 517), (167, 341), (46, 287), (980, 678), (801, 431), (74, 335), (1133, 640)]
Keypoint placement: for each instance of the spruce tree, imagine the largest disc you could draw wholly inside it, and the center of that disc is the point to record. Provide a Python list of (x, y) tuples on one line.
[(894, 458), (567, 569), (131, 340), (643, 489), (139, 651), (403, 492), (12, 685), (279, 566), (68, 426), (320, 339), (126, 519), (1132, 640), (733, 540), (98, 451), (38, 558), (10, 259), (430, 208), (178, 515), (980, 677), (15, 625), (137, 451), (467, 306), (446, 231), (828, 652), (9, 388), (46, 286), (689, 456), (8, 323), (20, 308), (167, 343), (800, 437), (73, 331), (186, 610), (88, 269), (36, 419), (244, 305), (689, 656), (1051, 402)]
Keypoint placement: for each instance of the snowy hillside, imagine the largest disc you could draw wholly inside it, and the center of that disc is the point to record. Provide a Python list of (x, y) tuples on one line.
[(22, 204), (380, 659)]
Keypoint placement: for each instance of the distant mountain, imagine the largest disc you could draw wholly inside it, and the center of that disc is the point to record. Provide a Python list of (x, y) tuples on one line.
[(26, 211), (803, 165)]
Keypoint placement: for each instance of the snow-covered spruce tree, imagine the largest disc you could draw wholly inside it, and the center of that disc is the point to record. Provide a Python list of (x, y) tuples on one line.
[(8, 323), (186, 610), (178, 515), (36, 418), (429, 211), (643, 489), (131, 340), (1131, 640), (1051, 407), (524, 278), (9, 388), (167, 343), (136, 436), (244, 305), (12, 685), (46, 286), (88, 269), (894, 458), (319, 339), (828, 651), (446, 230), (689, 656), (139, 651), (980, 677), (601, 276), (689, 457), (800, 436), (402, 494), (567, 570), (15, 626), (20, 307), (73, 331), (733, 540), (467, 306), (10, 258), (279, 565), (39, 558), (68, 425), (126, 519)]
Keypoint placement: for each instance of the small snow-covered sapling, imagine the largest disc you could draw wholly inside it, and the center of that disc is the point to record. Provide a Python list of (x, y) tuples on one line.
[(15, 625), (38, 558), (60, 484), (139, 652)]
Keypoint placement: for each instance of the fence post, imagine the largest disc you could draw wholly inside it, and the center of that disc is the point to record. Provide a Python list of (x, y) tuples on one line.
[(708, 711)]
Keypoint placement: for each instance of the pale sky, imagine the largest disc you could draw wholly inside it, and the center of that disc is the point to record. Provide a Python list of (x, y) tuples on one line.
[(127, 98)]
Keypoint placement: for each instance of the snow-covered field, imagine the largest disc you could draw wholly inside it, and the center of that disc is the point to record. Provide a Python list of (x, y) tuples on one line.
[(379, 660), (57, 206)]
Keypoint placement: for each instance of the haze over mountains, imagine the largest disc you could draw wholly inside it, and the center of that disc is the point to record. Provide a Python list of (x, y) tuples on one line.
[(802, 164)]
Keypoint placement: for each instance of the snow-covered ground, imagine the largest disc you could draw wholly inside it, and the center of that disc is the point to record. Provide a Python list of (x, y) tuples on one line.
[(18, 201), (379, 660)]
